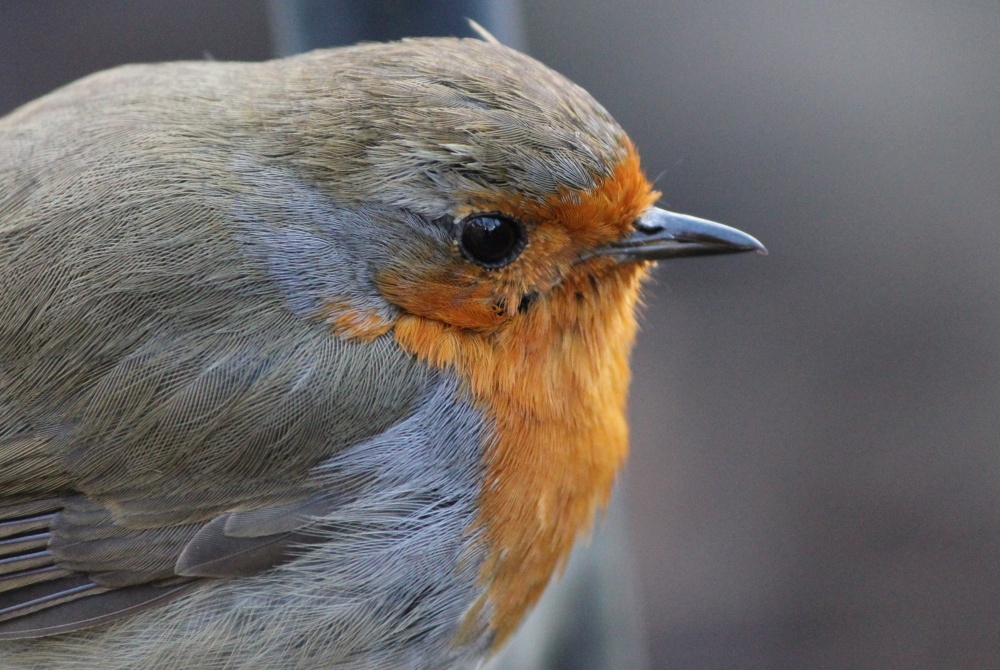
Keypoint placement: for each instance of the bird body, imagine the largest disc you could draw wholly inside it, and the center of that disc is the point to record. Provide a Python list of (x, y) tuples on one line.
[(314, 363)]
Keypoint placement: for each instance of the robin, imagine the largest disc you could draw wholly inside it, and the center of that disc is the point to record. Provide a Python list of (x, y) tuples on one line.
[(312, 363)]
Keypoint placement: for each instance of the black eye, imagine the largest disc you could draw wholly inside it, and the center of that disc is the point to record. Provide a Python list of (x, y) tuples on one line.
[(492, 240)]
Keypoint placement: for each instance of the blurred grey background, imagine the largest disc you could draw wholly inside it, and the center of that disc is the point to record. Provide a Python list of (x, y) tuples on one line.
[(815, 477)]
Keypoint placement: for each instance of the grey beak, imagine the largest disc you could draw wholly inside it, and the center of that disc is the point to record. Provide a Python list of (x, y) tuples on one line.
[(660, 234)]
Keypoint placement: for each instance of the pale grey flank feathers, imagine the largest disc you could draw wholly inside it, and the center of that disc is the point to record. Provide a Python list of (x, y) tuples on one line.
[(394, 558)]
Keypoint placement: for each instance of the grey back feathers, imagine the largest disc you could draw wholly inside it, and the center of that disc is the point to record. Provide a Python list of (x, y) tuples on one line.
[(417, 124)]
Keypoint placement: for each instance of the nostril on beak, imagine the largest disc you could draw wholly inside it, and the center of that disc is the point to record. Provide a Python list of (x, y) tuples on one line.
[(647, 225)]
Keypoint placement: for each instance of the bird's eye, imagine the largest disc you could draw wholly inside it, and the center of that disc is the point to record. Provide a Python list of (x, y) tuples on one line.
[(491, 240)]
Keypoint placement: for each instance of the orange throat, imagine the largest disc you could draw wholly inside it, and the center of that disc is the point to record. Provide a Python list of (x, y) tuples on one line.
[(554, 384)]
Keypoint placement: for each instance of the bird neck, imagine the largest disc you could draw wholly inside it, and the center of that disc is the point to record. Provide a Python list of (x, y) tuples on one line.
[(553, 382)]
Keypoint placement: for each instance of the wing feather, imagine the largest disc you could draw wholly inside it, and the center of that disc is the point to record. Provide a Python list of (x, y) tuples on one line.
[(162, 406)]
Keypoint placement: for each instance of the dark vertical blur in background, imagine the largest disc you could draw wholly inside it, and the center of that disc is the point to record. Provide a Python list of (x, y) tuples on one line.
[(815, 480)]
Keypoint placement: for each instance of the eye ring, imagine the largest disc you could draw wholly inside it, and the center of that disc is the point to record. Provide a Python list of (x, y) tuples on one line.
[(491, 239)]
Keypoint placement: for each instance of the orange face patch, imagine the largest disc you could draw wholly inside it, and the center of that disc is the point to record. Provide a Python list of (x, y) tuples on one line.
[(590, 219), (462, 294)]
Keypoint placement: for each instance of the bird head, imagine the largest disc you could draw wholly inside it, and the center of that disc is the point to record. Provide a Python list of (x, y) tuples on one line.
[(491, 179), (501, 224)]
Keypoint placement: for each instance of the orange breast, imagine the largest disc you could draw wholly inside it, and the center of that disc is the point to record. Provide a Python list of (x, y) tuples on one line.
[(553, 380), (555, 386)]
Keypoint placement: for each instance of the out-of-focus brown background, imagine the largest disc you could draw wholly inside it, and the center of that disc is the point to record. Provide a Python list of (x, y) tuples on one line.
[(815, 480)]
